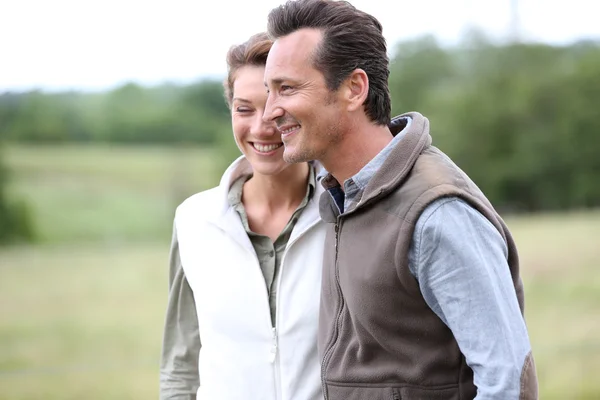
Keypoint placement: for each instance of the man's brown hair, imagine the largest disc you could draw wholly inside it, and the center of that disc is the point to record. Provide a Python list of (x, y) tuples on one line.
[(351, 39)]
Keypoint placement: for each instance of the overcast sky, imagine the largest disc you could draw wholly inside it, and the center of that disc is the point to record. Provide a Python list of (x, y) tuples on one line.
[(95, 45)]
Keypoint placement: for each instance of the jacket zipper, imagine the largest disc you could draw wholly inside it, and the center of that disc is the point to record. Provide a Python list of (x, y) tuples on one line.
[(275, 361), (334, 337), (273, 355), (273, 350), (274, 346)]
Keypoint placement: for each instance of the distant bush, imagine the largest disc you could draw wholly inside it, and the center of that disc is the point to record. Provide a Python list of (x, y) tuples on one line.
[(15, 218)]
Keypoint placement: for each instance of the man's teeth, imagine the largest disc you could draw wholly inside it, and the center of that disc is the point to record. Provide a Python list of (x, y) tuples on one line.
[(289, 130), (265, 148)]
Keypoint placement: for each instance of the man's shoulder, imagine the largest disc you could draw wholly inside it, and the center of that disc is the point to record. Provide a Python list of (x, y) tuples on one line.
[(434, 166)]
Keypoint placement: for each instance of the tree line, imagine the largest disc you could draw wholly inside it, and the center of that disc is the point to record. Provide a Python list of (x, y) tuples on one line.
[(520, 118)]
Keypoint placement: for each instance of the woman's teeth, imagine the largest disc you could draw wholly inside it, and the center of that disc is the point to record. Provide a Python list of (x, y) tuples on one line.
[(266, 148)]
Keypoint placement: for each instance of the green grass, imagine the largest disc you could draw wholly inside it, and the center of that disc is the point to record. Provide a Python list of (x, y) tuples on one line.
[(559, 258), (81, 322), (81, 313), (103, 193)]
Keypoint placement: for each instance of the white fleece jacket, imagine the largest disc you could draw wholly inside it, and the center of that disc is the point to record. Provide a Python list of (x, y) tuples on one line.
[(242, 355)]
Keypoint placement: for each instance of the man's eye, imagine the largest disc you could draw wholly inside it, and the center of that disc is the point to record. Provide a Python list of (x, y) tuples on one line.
[(242, 109), (285, 88)]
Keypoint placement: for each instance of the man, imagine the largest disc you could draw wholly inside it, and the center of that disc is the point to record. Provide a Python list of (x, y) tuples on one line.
[(421, 295)]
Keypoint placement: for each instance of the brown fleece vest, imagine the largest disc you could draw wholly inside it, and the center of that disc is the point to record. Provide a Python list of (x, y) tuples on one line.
[(378, 338)]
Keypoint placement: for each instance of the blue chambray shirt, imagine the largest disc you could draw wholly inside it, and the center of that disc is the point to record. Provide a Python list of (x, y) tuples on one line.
[(460, 262)]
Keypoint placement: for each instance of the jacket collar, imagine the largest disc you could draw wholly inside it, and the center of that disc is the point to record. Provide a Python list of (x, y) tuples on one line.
[(394, 169), (402, 158), (227, 215)]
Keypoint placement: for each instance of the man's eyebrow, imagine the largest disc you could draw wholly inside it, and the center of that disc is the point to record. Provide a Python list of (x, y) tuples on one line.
[(240, 99), (279, 81)]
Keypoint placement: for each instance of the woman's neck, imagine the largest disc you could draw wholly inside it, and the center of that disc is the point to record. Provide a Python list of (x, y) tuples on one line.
[(277, 192)]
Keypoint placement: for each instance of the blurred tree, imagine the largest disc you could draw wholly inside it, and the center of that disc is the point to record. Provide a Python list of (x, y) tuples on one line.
[(520, 124), (419, 67), (15, 219)]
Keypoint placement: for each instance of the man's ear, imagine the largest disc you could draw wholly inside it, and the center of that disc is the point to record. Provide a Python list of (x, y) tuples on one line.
[(357, 89)]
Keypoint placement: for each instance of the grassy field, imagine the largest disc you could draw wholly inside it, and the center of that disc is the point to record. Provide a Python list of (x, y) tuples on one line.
[(107, 194), (81, 322), (81, 312)]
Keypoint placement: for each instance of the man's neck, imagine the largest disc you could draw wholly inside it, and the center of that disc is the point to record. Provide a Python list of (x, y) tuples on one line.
[(355, 151)]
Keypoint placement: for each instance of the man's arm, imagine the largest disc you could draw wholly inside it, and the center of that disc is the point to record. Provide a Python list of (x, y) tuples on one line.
[(460, 261), (179, 376)]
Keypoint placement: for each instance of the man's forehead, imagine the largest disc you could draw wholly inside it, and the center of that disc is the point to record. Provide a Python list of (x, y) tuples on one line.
[(293, 50), (302, 40)]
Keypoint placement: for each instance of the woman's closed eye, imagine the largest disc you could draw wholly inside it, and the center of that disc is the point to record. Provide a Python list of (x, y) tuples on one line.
[(243, 109)]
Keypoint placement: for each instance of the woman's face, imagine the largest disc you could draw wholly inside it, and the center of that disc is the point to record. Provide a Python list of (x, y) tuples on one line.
[(259, 141)]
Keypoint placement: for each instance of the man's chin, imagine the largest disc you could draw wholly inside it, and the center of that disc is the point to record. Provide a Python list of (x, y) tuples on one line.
[(292, 157)]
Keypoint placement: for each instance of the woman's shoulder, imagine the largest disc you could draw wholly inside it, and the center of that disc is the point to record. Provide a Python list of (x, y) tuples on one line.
[(206, 202)]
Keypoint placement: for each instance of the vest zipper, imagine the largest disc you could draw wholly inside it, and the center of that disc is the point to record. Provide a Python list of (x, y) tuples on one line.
[(334, 336)]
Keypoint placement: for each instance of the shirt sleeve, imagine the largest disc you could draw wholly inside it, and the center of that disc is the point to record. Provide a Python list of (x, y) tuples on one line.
[(179, 375), (460, 261)]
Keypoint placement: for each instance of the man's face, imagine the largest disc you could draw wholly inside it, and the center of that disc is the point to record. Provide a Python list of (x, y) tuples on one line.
[(307, 114)]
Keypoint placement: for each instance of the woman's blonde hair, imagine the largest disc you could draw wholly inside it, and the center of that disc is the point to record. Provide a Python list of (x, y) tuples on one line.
[(252, 52)]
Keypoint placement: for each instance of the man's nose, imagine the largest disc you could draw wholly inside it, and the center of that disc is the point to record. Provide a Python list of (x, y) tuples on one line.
[(261, 127), (272, 111)]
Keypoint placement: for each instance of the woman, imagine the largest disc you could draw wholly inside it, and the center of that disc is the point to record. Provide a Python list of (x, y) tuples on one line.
[(246, 265)]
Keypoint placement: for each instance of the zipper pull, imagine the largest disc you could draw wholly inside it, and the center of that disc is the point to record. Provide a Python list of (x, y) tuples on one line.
[(273, 353), (337, 229)]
